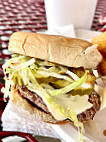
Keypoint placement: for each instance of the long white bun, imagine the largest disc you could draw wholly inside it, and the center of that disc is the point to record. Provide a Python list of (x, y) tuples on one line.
[(66, 51)]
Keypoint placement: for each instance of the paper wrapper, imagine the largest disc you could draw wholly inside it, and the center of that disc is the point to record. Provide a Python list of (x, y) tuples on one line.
[(16, 119), (95, 128)]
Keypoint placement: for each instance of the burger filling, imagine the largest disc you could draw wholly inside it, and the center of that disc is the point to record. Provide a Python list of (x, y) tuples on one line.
[(62, 91), (35, 99)]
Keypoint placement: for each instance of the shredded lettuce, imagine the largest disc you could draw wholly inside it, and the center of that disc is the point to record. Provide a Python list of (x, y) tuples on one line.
[(69, 113), (23, 65), (35, 85), (17, 79), (75, 77), (23, 69), (53, 74), (7, 89), (69, 87), (12, 60)]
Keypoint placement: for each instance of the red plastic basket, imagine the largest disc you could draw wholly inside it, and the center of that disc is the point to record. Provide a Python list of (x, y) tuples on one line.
[(27, 136)]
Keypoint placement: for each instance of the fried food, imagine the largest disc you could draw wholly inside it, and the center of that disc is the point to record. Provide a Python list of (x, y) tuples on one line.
[(101, 41), (102, 68)]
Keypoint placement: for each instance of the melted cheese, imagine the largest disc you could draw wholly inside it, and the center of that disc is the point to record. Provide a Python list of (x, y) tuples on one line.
[(78, 104)]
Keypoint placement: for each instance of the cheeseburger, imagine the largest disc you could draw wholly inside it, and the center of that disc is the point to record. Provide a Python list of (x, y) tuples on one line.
[(51, 77)]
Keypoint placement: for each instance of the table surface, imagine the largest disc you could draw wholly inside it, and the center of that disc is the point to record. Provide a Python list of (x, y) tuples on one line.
[(27, 15)]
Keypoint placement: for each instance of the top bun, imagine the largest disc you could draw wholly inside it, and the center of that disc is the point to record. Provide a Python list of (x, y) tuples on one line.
[(62, 50)]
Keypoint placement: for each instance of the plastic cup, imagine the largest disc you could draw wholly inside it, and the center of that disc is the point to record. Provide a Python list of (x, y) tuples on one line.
[(66, 12)]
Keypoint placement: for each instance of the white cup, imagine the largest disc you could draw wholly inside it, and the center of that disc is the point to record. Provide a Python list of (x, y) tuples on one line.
[(65, 12)]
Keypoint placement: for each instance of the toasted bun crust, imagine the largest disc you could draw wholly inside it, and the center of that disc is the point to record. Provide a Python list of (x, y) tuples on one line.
[(18, 100), (70, 52)]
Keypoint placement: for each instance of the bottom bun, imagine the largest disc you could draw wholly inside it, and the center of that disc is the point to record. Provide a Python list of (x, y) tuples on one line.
[(18, 100)]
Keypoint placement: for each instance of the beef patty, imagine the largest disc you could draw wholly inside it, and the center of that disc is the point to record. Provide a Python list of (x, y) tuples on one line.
[(37, 101)]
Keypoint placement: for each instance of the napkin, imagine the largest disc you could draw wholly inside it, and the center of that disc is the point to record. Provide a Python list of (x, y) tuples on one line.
[(16, 119)]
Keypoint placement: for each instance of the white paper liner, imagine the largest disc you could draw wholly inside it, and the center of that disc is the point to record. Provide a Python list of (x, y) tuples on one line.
[(17, 119)]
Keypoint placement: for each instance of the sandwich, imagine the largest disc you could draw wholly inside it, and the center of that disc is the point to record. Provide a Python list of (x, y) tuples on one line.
[(52, 77)]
